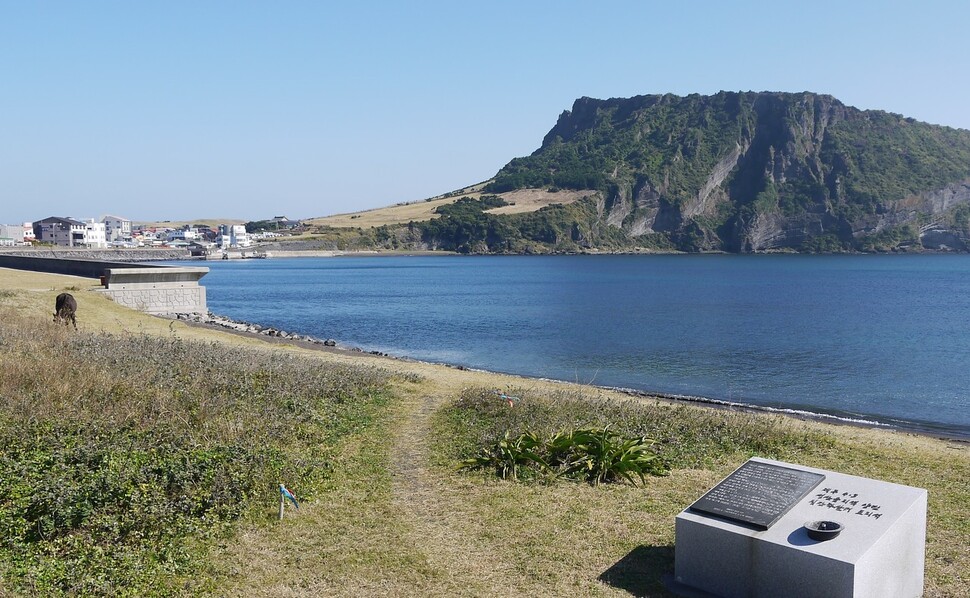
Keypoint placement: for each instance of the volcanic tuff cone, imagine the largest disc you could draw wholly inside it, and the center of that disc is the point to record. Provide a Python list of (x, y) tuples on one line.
[(756, 171)]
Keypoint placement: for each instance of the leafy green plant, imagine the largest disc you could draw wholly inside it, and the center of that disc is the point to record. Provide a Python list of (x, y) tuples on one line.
[(509, 455), (601, 455), (589, 454)]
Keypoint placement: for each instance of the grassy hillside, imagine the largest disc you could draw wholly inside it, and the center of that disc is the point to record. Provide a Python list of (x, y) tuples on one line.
[(388, 216), (124, 457), (140, 457), (517, 202)]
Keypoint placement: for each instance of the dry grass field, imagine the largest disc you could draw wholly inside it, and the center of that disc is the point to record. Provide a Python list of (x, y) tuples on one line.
[(521, 201), (531, 200), (397, 214), (396, 518)]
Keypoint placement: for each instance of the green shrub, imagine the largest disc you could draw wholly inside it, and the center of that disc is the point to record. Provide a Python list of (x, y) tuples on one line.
[(589, 454), (601, 455), (509, 455), (122, 458)]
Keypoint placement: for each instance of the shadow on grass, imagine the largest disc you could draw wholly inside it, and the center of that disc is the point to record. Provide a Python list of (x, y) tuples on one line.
[(641, 571)]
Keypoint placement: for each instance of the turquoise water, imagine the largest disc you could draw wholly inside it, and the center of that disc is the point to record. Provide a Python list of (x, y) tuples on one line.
[(876, 338)]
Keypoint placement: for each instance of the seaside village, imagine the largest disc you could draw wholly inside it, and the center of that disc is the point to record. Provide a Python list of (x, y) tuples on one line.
[(117, 232)]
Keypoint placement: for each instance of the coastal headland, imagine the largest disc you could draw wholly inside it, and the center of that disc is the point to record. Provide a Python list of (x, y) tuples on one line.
[(394, 516)]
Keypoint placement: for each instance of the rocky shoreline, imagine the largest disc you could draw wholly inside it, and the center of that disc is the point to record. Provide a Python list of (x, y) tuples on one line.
[(211, 319)]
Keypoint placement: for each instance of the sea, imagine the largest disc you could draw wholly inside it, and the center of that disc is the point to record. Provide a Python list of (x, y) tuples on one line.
[(873, 339)]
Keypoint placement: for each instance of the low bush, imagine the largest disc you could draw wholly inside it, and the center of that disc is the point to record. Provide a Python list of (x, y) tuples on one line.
[(589, 454), (123, 457), (509, 456)]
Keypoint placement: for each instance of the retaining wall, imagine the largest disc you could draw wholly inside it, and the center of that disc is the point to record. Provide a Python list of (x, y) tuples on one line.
[(160, 290), (58, 265), (141, 254)]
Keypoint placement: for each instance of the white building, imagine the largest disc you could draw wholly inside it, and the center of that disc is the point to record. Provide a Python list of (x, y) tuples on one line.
[(94, 234), (234, 235), (20, 234), (185, 234), (117, 228)]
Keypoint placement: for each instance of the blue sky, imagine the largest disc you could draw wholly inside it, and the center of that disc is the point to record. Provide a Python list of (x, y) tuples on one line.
[(184, 110)]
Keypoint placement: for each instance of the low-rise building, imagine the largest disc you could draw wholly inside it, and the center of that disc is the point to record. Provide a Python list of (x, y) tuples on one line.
[(282, 222), (265, 235), (68, 232), (186, 235), (94, 234), (20, 234), (234, 235), (117, 228), (65, 232)]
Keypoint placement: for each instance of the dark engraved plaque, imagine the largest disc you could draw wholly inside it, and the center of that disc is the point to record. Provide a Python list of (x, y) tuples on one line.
[(758, 494)]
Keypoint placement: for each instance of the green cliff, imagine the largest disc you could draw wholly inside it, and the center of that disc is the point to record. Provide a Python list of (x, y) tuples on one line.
[(745, 172)]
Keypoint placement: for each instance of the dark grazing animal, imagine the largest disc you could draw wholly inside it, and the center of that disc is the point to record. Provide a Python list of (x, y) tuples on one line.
[(65, 307)]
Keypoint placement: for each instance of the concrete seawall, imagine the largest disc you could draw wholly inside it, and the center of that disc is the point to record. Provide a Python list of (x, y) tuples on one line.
[(104, 255), (160, 290), (155, 289), (62, 264)]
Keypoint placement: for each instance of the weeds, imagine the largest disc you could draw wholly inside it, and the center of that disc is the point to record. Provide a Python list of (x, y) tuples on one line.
[(122, 457), (601, 455)]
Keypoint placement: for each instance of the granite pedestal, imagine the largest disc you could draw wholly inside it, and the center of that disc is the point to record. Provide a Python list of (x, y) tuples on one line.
[(879, 553)]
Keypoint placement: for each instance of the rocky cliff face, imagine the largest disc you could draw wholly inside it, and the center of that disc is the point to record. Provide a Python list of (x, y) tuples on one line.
[(759, 171)]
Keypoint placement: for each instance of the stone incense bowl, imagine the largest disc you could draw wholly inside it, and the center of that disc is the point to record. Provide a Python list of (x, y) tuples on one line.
[(823, 530)]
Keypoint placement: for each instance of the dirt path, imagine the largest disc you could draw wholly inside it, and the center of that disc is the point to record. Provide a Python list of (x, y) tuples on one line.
[(440, 528)]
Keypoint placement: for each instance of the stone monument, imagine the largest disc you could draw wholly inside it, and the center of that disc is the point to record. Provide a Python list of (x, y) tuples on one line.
[(777, 529)]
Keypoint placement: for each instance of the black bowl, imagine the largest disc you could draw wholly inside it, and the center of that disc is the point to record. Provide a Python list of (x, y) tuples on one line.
[(823, 530)]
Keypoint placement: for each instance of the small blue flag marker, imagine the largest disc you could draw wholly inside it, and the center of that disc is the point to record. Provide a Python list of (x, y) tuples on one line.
[(285, 493)]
